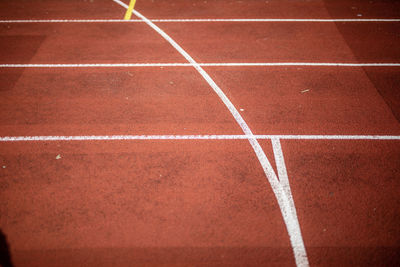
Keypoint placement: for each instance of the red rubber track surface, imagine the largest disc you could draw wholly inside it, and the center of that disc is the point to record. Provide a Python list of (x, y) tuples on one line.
[(346, 199), (198, 202), (338, 100), (269, 9), (104, 103), (92, 43), (64, 9), (288, 41)]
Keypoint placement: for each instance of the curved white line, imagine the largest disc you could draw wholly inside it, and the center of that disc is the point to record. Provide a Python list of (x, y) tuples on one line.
[(284, 200)]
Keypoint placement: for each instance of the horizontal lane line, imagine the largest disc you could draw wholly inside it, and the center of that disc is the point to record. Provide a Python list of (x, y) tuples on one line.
[(261, 64), (189, 20), (195, 137)]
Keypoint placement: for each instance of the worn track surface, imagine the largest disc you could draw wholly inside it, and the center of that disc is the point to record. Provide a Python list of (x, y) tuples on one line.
[(198, 202)]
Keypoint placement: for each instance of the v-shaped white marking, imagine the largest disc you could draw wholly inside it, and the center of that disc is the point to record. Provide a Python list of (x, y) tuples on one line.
[(285, 201)]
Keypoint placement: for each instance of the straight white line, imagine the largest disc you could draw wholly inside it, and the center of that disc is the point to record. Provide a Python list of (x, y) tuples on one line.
[(189, 20), (264, 64), (95, 65), (331, 137), (68, 21), (195, 137), (317, 64), (275, 20), (283, 200)]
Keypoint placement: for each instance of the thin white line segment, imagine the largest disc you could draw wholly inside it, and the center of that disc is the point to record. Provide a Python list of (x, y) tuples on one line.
[(189, 20), (194, 137), (284, 200), (284, 181), (261, 64)]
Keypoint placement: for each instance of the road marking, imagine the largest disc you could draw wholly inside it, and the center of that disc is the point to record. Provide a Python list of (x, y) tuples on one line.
[(189, 20), (195, 137), (128, 13), (265, 64)]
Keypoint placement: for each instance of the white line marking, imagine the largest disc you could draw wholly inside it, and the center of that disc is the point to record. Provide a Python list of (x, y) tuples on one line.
[(265, 64), (282, 198), (95, 65), (68, 21), (331, 137), (275, 20), (281, 166), (189, 20), (284, 181), (195, 137)]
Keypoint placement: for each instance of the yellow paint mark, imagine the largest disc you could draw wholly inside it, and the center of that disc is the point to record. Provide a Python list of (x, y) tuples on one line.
[(128, 13)]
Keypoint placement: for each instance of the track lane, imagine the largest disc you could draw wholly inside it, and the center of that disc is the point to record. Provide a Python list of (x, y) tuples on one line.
[(372, 42), (111, 102), (63, 43), (231, 9), (270, 9), (367, 9), (205, 200), (347, 198), (48, 9), (307, 100), (386, 82), (288, 41)]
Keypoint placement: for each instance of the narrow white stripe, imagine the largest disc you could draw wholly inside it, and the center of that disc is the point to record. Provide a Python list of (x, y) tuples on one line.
[(265, 64), (190, 20), (275, 20), (282, 198), (95, 65), (195, 137), (332, 137), (280, 164), (284, 181), (317, 64), (68, 21)]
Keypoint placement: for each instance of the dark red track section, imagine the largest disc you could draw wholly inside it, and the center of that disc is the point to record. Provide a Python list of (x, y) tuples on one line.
[(105, 103), (198, 202), (63, 9), (307, 100)]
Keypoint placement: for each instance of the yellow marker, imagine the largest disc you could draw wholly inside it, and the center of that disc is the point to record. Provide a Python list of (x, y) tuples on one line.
[(128, 13)]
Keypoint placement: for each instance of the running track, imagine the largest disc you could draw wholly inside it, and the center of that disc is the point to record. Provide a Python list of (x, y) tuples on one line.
[(115, 149)]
